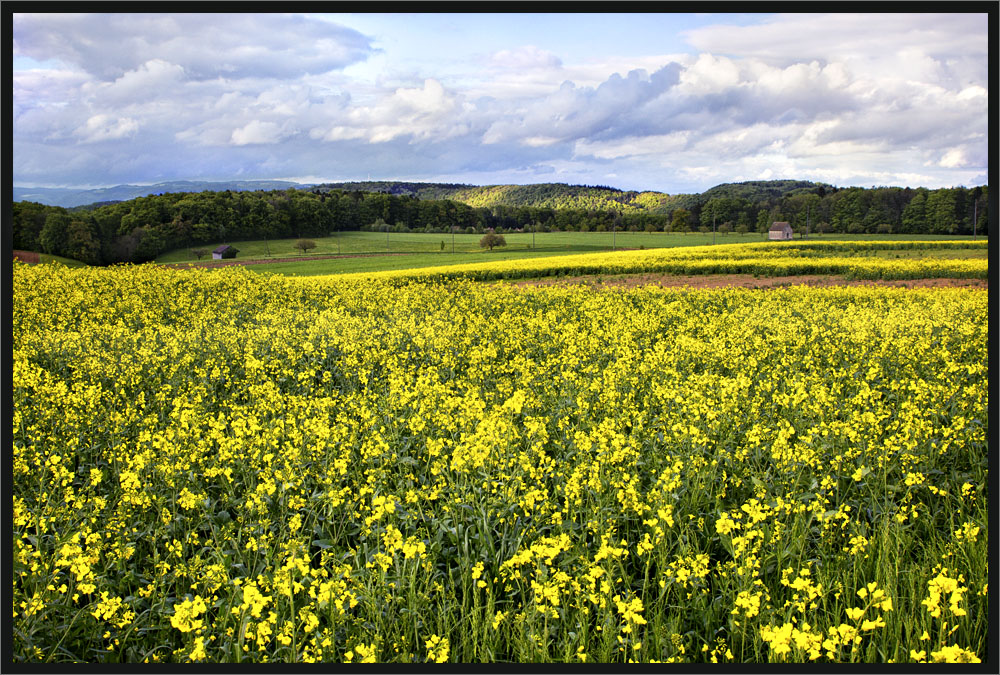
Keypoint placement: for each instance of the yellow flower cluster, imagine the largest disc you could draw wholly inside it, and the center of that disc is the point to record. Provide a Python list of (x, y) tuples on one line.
[(225, 466)]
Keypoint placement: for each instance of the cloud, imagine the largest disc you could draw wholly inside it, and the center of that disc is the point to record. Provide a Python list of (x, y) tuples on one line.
[(526, 57), (571, 113), (206, 46), (429, 112), (153, 80), (106, 128), (257, 132), (140, 98), (785, 39), (633, 146), (953, 158)]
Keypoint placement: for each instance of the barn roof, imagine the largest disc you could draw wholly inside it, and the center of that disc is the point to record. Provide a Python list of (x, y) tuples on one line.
[(779, 225), (222, 249)]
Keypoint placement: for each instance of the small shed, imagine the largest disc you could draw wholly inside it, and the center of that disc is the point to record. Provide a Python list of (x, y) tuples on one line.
[(780, 230), (225, 251)]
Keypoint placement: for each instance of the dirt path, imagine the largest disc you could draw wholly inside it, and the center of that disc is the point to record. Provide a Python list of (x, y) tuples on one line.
[(745, 281), (27, 256)]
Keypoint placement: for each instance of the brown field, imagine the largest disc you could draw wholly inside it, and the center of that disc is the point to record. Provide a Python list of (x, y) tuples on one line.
[(745, 281)]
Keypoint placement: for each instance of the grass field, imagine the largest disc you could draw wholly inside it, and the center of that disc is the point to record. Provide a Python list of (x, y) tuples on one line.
[(424, 250), (223, 466)]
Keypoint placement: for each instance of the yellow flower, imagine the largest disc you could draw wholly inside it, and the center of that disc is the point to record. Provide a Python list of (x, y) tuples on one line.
[(855, 613), (954, 654), (198, 652), (185, 616), (366, 653), (437, 649)]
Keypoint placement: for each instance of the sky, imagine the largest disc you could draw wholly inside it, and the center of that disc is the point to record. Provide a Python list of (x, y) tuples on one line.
[(669, 102)]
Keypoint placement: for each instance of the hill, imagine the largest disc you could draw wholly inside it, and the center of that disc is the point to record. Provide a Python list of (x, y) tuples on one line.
[(538, 195), (70, 197), (588, 197)]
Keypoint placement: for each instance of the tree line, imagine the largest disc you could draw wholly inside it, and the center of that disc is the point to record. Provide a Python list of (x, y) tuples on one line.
[(139, 229)]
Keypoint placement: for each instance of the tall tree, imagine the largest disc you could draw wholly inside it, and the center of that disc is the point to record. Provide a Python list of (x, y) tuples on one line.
[(52, 238)]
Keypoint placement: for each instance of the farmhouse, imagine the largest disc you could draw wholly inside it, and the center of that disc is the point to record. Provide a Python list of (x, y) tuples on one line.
[(224, 251), (780, 230)]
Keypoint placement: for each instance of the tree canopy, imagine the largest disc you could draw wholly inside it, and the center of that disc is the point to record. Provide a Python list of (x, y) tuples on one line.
[(139, 229)]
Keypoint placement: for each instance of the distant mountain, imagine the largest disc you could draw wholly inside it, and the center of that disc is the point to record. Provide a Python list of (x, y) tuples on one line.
[(69, 197)]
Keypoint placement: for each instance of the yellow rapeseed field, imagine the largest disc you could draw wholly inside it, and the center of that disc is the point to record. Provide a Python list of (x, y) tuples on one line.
[(854, 260), (225, 466)]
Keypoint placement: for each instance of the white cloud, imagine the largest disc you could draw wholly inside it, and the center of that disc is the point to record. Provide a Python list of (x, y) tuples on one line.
[(105, 128), (839, 96), (523, 58), (429, 112), (846, 37), (204, 45), (633, 146), (972, 93), (954, 158), (709, 74), (257, 132)]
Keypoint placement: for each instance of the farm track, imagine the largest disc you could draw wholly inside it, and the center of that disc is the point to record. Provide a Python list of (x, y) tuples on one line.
[(27, 256)]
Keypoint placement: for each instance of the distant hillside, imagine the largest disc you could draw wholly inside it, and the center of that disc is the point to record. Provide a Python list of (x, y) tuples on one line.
[(561, 196), (69, 197), (592, 198), (399, 188), (540, 195)]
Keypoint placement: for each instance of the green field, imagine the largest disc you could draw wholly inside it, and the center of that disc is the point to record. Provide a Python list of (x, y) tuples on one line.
[(424, 250)]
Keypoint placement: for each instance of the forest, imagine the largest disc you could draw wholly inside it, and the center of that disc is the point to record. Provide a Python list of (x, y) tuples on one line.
[(139, 229)]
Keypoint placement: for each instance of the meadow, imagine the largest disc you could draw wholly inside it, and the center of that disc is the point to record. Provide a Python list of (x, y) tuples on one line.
[(224, 465), (349, 252)]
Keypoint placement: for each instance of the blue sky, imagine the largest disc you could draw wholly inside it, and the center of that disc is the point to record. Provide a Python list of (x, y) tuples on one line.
[(670, 102)]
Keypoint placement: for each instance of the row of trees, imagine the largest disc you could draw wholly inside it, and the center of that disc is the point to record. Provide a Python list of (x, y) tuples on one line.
[(140, 229), (860, 211)]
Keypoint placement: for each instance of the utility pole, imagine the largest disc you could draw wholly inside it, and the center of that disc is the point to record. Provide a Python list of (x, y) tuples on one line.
[(975, 216), (533, 228), (452, 238), (614, 231), (808, 211), (713, 227)]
